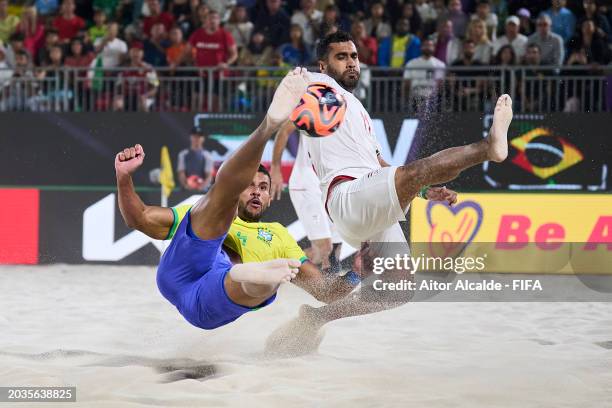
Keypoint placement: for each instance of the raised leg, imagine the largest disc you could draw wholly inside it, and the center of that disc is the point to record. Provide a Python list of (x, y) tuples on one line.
[(447, 164)]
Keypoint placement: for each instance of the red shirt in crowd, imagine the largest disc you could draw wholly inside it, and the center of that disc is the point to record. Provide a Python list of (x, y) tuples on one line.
[(33, 40), (166, 19), (371, 44), (68, 29), (211, 49)]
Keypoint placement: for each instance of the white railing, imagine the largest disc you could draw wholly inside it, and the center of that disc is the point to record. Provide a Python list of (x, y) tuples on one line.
[(250, 89)]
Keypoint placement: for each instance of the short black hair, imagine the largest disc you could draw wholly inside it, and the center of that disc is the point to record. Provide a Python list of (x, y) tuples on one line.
[(264, 170), (337, 37)]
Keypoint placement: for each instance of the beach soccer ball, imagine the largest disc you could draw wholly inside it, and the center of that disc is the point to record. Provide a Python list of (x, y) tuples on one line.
[(320, 112)]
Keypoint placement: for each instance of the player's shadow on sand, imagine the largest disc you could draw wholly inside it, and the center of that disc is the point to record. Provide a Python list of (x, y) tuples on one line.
[(172, 370)]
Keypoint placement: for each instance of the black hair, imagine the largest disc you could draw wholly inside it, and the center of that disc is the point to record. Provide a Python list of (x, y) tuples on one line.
[(337, 37), (262, 169), (17, 36)]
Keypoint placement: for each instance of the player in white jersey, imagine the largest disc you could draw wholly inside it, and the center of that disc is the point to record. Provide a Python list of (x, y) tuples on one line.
[(305, 194), (364, 196)]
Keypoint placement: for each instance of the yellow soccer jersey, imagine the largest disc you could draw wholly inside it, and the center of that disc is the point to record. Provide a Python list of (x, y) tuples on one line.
[(253, 241)]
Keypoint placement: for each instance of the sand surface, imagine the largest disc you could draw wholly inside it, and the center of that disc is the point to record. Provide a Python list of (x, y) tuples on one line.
[(109, 332)]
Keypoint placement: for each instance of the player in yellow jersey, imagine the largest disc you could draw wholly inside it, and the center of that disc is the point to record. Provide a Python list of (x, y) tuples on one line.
[(217, 266)]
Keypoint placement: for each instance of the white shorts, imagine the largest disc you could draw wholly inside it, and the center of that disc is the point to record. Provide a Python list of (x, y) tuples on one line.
[(363, 208), (311, 212)]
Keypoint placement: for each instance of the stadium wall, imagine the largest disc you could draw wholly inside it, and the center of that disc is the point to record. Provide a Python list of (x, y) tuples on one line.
[(57, 200)]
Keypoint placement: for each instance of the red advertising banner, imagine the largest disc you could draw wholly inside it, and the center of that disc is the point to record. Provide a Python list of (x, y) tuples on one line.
[(19, 211)]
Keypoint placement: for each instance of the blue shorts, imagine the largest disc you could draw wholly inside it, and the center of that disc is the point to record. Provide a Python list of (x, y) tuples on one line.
[(191, 274)]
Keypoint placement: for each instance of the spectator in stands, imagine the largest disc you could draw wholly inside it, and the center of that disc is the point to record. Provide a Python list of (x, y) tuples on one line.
[(423, 76), (155, 47), (552, 51), (156, 16), (182, 11), (77, 57), (377, 25), (239, 26), (412, 14), (426, 11), (592, 42), (562, 19), (457, 16), (214, 47), (512, 37), (8, 23), (309, 19), (367, 46), (477, 32), (533, 88), (32, 29), (111, 49), (483, 12), (402, 47), (46, 7), (5, 72), (51, 39), (526, 26), (601, 21), (67, 23), (296, 52), (17, 94), (99, 29), (332, 17), (273, 22), (195, 165), (177, 52), (468, 88), (137, 83), (257, 53), (16, 44), (504, 58), (447, 47), (196, 20)]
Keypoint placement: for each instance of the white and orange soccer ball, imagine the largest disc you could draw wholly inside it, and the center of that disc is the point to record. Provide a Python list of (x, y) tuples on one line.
[(320, 112)]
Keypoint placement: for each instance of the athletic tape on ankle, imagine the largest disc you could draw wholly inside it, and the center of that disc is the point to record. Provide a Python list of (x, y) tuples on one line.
[(423, 192)]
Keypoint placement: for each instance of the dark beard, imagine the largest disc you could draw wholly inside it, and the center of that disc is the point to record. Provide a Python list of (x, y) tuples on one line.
[(346, 83), (248, 216)]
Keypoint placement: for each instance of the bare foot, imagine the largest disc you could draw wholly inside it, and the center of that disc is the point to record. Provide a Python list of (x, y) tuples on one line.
[(288, 95), (498, 136), (272, 272)]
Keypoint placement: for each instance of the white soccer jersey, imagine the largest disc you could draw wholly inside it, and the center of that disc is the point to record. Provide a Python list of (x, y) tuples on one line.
[(352, 149), (303, 176)]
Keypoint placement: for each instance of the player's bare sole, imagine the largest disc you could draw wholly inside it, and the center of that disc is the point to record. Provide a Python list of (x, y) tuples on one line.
[(272, 272), (288, 94), (498, 135)]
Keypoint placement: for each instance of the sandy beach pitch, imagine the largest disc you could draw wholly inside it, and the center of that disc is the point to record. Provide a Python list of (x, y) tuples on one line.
[(107, 331)]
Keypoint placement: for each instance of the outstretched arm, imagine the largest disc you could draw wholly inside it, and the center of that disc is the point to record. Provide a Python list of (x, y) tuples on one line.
[(153, 221), (280, 143)]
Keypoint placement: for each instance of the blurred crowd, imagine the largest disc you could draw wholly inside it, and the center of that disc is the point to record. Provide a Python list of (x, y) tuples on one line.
[(38, 38)]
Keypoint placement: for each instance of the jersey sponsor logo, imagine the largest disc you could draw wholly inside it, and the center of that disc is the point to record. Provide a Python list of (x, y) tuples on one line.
[(265, 235)]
